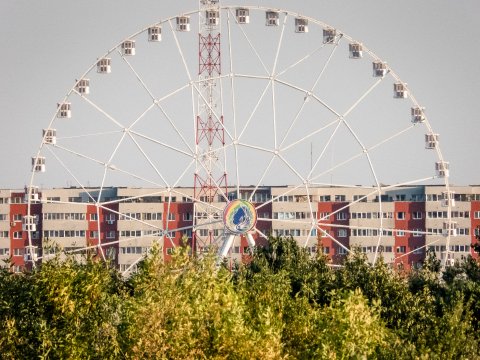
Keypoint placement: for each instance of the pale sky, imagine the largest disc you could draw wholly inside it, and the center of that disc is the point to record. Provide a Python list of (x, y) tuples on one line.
[(431, 44)]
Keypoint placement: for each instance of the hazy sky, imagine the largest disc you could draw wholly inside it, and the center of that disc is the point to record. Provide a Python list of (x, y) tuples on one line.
[(431, 44)]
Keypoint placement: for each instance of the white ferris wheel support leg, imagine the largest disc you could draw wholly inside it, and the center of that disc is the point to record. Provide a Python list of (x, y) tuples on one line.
[(251, 241), (225, 248)]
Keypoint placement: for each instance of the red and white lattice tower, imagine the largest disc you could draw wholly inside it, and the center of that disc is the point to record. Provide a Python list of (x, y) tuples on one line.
[(210, 185)]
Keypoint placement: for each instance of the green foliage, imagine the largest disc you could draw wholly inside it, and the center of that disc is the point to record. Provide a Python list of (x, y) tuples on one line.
[(284, 304)]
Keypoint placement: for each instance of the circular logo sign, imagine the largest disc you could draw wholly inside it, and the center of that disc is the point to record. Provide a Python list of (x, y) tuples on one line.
[(239, 216)]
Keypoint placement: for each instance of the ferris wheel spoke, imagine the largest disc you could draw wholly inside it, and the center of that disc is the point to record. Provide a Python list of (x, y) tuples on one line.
[(252, 47), (325, 147), (99, 109), (172, 123), (308, 94), (234, 104), (252, 114), (391, 137), (158, 142), (80, 155), (277, 197), (365, 150), (255, 147), (363, 96), (137, 75), (179, 48), (419, 248), (310, 201), (237, 170), (274, 117), (361, 153), (301, 60), (290, 166), (309, 236), (109, 166), (262, 177), (304, 91), (310, 135), (114, 152), (292, 221), (71, 173), (99, 239), (149, 160), (103, 133), (132, 198), (279, 46), (191, 198), (187, 168)]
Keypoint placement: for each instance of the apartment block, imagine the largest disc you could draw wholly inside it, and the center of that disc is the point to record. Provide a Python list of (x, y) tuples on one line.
[(121, 224)]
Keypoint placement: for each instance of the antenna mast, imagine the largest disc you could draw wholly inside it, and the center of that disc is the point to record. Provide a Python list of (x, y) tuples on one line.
[(210, 183)]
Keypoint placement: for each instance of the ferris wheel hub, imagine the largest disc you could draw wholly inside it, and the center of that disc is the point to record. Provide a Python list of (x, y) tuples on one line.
[(239, 216)]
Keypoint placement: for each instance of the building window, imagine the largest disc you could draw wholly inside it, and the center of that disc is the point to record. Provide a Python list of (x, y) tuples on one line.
[(342, 216), (17, 234), (171, 216), (18, 252), (94, 217), (110, 234), (417, 215), (324, 216), (17, 217), (476, 215), (130, 216), (417, 232), (401, 249), (400, 233), (152, 216), (341, 251), (342, 233), (401, 215), (125, 267), (187, 216), (359, 198), (94, 234)]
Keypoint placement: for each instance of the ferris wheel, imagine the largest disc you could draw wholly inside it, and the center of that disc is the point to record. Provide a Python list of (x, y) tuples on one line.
[(203, 124)]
